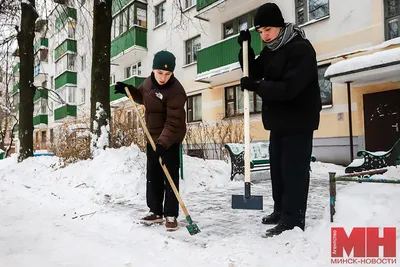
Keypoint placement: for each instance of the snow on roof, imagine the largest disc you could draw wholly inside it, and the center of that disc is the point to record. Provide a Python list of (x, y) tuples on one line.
[(217, 71), (386, 57)]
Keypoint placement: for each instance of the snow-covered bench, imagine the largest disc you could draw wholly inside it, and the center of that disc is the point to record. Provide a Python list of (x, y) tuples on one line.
[(259, 156), (375, 160)]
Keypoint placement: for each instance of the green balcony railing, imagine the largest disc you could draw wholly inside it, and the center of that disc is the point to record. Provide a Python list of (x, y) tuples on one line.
[(67, 77), (134, 36), (15, 87), (67, 45), (16, 68), (41, 43), (135, 81), (224, 52), (200, 4), (40, 119), (118, 5), (64, 111), (64, 14), (40, 93)]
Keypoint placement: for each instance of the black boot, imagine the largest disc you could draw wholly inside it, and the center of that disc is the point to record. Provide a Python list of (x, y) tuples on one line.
[(273, 218), (277, 230)]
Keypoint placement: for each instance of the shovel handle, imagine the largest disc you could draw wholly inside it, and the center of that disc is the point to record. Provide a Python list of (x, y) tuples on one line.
[(153, 145), (246, 105)]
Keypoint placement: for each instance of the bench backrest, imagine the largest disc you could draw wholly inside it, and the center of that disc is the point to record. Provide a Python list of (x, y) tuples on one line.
[(258, 150)]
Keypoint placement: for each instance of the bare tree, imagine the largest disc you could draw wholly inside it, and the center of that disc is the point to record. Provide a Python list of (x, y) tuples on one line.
[(100, 96), (27, 90)]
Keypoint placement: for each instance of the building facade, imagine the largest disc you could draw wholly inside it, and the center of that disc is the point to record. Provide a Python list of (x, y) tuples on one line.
[(202, 35)]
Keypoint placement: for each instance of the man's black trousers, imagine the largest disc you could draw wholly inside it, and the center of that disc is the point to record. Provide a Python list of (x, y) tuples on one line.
[(290, 154), (157, 184)]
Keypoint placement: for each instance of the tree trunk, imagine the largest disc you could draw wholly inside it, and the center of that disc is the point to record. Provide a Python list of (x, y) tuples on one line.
[(26, 89), (100, 93)]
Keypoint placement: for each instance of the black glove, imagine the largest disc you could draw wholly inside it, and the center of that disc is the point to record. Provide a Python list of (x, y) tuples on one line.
[(161, 152), (244, 36), (120, 88), (249, 84)]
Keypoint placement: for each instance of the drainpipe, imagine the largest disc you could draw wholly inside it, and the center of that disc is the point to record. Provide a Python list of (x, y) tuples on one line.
[(350, 121)]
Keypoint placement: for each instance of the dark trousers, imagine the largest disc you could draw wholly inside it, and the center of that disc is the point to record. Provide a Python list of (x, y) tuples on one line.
[(157, 184), (290, 155)]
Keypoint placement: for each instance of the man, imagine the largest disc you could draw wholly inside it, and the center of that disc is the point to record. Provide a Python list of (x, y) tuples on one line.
[(285, 76), (164, 99)]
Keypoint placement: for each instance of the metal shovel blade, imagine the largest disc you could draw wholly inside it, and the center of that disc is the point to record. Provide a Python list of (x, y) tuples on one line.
[(247, 203)]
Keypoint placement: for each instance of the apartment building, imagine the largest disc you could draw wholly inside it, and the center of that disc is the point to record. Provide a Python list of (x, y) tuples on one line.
[(62, 51), (202, 35)]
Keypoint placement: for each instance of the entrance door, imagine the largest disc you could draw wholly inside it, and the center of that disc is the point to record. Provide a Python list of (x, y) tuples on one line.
[(381, 120)]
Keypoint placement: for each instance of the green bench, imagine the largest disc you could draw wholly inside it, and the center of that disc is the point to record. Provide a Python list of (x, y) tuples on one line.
[(375, 160), (259, 156)]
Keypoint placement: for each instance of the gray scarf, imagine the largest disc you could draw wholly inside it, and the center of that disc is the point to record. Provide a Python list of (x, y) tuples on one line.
[(286, 34)]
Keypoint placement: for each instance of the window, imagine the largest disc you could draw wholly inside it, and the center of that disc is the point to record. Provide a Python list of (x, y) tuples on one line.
[(234, 102), (67, 94), (194, 110), (129, 120), (325, 86), (71, 94), (307, 10), (134, 70), (83, 62), (128, 72), (44, 137), (83, 92), (192, 46), (51, 135), (189, 3), (43, 106), (243, 22), (43, 55), (159, 13), (52, 82), (128, 18), (141, 17), (71, 29), (112, 79), (392, 19), (66, 63)]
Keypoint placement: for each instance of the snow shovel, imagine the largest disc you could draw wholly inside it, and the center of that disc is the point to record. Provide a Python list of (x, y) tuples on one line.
[(192, 227), (246, 201)]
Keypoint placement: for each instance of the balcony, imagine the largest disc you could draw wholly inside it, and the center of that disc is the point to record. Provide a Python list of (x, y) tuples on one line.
[(119, 5), (134, 80), (41, 93), (42, 43), (40, 74), (40, 120), (201, 4), (65, 14), (16, 68), (64, 112), (68, 77), (128, 44), (220, 59), (67, 46), (15, 88)]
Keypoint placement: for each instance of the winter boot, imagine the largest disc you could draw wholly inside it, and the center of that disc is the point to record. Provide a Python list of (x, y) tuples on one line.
[(278, 229), (171, 224), (272, 218), (152, 218)]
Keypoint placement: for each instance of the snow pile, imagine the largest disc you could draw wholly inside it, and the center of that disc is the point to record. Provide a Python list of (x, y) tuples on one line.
[(81, 215)]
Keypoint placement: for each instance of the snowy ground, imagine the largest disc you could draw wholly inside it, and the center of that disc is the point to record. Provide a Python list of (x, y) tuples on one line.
[(85, 214)]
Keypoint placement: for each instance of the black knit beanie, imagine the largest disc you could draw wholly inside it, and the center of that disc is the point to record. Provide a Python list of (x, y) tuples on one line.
[(268, 15), (164, 60)]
